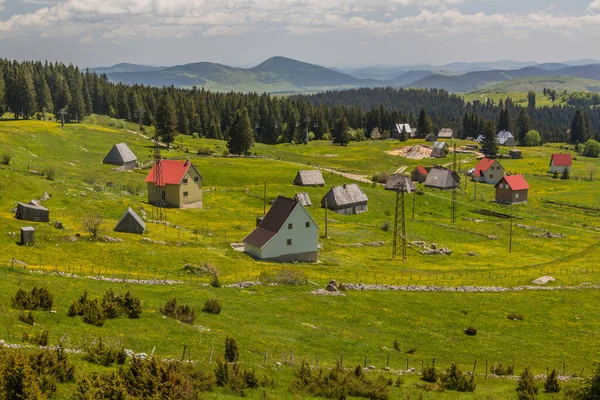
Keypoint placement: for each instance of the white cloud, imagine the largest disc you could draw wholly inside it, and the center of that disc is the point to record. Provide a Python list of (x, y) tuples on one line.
[(594, 7), (1, 5)]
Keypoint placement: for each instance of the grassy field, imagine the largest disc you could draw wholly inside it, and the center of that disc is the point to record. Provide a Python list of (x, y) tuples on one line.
[(558, 326), (518, 96)]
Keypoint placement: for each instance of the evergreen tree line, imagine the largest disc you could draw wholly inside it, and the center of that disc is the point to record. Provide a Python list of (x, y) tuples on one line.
[(35, 89)]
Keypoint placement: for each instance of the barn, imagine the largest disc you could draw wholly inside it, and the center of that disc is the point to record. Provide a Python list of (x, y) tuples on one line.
[(505, 138), (488, 171), (419, 174), (179, 184), (120, 154), (346, 199), (31, 212), (287, 233), (312, 177), (446, 133), (402, 183), (442, 178), (130, 222), (512, 189), (559, 163), (440, 149)]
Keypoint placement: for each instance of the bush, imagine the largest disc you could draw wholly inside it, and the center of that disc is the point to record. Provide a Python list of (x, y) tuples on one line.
[(231, 350), (181, 313), (37, 299), (93, 224), (110, 306), (26, 317), (212, 306), (526, 386), (204, 151), (99, 352), (513, 316), (214, 280), (552, 385), (6, 158), (591, 149), (396, 345), (235, 378), (498, 369), (533, 138), (386, 226), (112, 122), (93, 313), (429, 374), (588, 389), (195, 135), (380, 177), (120, 124), (39, 339), (454, 379), (471, 331), (50, 173), (285, 276)]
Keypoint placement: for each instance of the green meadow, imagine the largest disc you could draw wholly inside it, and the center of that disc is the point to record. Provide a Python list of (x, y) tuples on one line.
[(558, 326)]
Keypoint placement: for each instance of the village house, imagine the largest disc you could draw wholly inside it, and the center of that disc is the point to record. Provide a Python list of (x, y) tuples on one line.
[(442, 178), (431, 138), (179, 183), (303, 198), (446, 133), (440, 149), (419, 174), (559, 163), (400, 183), (488, 171), (512, 189), (312, 177), (130, 222), (286, 233), (505, 138), (120, 154), (346, 199), (406, 127)]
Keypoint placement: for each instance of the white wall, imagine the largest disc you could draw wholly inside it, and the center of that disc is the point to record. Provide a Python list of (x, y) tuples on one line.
[(304, 239)]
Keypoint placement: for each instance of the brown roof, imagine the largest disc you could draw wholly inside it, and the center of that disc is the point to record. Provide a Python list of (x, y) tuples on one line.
[(400, 183), (272, 222)]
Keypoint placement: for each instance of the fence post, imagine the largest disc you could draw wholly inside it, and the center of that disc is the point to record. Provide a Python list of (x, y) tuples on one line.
[(184, 349), (486, 368), (265, 360), (211, 354)]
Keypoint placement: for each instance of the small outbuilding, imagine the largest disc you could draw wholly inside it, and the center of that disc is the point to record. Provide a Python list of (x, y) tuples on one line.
[(121, 155), (312, 177), (559, 163), (505, 138), (27, 235), (446, 133), (515, 154), (30, 212), (400, 183), (440, 149), (430, 138), (419, 174), (130, 222), (512, 189), (488, 171), (286, 233), (303, 198), (406, 127), (442, 178), (480, 139), (346, 199)]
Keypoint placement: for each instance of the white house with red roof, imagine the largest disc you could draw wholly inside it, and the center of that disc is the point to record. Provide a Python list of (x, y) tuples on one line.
[(488, 170), (559, 163), (177, 182), (287, 233), (512, 189)]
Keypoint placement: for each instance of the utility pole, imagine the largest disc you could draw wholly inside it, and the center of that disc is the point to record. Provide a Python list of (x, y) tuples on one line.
[(510, 235), (414, 202), (306, 122), (326, 209), (454, 189), (62, 116), (140, 112), (475, 191), (404, 185), (265, 200)]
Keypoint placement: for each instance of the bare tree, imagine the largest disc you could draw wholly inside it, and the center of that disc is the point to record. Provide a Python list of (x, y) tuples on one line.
[(93, 224)]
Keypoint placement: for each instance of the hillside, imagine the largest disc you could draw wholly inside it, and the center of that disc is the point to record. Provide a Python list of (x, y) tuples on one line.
[(277, 74), (124, 67), (537, 84)]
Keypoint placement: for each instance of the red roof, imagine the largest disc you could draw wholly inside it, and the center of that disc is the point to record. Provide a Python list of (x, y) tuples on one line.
[(515, 182), (483, 166), (172, 172), (561, 160), (421, 169)]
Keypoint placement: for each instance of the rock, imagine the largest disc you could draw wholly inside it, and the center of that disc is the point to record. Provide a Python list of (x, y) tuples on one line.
[(543, 280), (129, 353), (492, 237), (141, 356), (52, 311), (472, 254), (332, 286), (58, 225), (83, 195), (277, 364), (387, 369), (371, 367)]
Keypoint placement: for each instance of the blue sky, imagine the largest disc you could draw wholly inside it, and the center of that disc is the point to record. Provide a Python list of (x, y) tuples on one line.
[(327, 32)]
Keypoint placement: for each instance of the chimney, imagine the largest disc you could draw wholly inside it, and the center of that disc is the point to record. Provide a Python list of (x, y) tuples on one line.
[(258, 220), (187, 161)]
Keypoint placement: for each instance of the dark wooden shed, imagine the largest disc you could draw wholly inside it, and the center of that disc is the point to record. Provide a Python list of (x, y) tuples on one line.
[(130, 222), (27, 235), (30, 212)]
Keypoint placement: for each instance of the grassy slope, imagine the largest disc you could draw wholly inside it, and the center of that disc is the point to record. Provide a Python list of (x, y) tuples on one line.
[(517, 97), (357, 324), (537, 84)]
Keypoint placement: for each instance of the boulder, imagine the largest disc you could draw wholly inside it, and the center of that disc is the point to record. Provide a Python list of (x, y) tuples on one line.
[(543, 280), (332, 286)]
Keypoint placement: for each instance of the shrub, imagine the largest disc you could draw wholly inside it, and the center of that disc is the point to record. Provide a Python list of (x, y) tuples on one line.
[(195, 135), (514, 316), (454, 379), (471, 331), (498, 369), (27, 317), (285, 276), (37, 299), (132, 306), (588, 389), (429, 374), (50, 173), (99, 352), (411, 351), (93, 224), (380, 177), (6, 158), (39, 339), (214, 280), (526, 386), (212, 306), (225, 153), (386, 226), (93, 313), (204, 151), (552, 385), (112, 122), (231, 349), (181, 313), (396, 345), (591, 149), (533, 138)]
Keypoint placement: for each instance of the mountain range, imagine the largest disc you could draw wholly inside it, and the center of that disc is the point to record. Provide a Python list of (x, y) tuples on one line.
[(285, 75)]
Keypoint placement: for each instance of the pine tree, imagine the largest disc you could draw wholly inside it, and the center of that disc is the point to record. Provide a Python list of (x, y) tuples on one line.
[(340, 132), (166, 119), (503, 121), (579, 127), (526, 387), (403, 134), (531, 99), (2, 95), (76, 107), (241, 135), (424, 124), (62, 96), (489, 147), (523, 125)]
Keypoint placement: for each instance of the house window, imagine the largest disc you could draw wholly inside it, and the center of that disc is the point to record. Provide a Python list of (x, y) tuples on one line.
[(308, 224), (185, 194), (289, 226), (516, 195), (185, 181), (491, 176), (195, 179), (289, 242)]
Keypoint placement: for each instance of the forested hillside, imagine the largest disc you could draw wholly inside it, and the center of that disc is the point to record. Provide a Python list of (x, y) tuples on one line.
[(36, 89)]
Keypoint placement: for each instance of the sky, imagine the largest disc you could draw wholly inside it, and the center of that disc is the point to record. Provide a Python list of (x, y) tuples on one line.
[(338, 33)]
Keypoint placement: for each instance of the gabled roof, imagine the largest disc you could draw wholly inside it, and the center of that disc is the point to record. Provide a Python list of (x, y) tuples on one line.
[(484, 165), (347, 194), (172, 171), (421, 169), (32, 206), (272, 222), (515, 182), (132, 214), (119, 154), (405, 126), (400, 183), (446, 133), (440, 145), (561, 160), (503, 136), (303, 198), (480, 139), (442, 178), (309, 177)]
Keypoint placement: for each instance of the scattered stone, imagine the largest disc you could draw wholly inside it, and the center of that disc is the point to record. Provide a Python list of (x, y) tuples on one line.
[(492, 237), (153, 241), (387, 369), (320, 246), (243, 285), (431, 249), (323, 292), (108, 239), (472, 254), (332, 286), (237, 246), (83, 195), (548, 235), (543, 280), (52, 311), (277, 364), (369, 244), (371, 367), (58, 225)]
